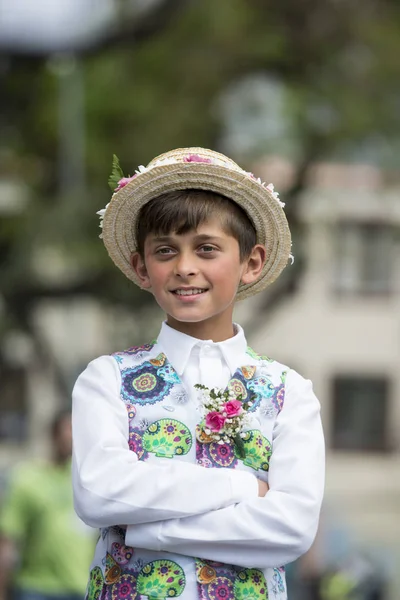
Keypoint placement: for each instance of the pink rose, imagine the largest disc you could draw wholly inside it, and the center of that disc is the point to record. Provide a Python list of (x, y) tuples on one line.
[(215, 421), (123, 182), (233, 408), (196, 158)]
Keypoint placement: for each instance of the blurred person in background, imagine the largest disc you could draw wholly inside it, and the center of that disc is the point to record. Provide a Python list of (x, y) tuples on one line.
[(337, 568), (45, 550)]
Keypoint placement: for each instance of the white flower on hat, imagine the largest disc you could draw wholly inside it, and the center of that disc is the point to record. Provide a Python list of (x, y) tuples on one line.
[(141, 169), (164, 161), (101, 213), (270, 187)]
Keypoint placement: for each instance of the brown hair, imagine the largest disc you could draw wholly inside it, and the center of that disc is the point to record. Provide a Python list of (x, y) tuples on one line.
[(184, 210)]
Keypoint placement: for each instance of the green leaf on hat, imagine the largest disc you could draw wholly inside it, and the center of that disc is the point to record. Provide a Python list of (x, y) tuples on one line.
[(116, 173)]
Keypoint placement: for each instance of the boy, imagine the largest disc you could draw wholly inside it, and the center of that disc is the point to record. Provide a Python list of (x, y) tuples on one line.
[(198, 232)]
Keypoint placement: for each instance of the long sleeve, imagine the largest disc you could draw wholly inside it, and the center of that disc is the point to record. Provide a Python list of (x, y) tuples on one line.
[(112, 487), (260, 532)]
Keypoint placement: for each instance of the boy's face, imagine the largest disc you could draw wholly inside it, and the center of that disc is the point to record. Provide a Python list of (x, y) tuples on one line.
[(195, 276)]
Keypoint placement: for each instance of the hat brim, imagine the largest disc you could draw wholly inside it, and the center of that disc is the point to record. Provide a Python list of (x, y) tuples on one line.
[(265, 212)]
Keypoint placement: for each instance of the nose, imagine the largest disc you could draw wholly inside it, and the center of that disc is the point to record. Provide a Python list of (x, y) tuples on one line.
[(185, 265)]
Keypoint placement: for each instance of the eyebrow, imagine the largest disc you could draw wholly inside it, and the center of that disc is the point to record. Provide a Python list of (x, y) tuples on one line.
[(202, 237)]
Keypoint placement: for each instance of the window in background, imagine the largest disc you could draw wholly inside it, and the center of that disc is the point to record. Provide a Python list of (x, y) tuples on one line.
[(360, 413), (365, 255), (13, 403)]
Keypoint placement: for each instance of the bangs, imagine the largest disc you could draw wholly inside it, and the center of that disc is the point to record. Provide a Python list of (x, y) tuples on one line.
[(178, 215), (185, 210)]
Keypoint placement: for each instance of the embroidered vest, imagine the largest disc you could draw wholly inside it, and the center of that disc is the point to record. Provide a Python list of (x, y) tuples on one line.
[(164, 424)]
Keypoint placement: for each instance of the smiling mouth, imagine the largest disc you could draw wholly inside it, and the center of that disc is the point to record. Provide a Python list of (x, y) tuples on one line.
[(191, 292)]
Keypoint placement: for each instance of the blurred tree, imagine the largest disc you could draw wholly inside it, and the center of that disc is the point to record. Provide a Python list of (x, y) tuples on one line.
[(157, 84)]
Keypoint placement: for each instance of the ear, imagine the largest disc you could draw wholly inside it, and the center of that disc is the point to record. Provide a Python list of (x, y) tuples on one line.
[(253, 265), (139, 267)]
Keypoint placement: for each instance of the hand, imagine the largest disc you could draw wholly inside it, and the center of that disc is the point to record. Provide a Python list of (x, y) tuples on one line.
[(263, 488)]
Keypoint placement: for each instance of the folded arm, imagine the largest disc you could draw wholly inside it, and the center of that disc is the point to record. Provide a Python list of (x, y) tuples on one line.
[(260, 532), (112, 486)]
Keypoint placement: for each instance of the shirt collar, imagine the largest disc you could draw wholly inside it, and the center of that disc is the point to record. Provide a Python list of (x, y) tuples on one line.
[(178, 347)]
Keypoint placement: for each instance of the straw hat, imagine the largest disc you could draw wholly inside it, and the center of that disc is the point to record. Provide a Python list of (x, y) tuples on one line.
[(197, 168)]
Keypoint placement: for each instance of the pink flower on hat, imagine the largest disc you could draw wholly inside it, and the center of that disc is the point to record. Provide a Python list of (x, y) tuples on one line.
[(233, 408), (258, 179), (215, 421), (123, 182), (196, 158)]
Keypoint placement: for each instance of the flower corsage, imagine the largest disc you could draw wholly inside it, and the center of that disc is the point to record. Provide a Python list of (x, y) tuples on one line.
[(225, 416)]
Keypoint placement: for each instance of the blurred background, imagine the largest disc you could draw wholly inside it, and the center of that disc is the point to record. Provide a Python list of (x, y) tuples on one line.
[(304, 93)]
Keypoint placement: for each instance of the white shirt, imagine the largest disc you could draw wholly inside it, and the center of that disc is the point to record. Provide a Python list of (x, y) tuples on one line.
[(179, 507)]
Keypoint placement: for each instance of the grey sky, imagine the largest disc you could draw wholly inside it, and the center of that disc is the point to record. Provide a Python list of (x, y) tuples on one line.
[(52, 25)]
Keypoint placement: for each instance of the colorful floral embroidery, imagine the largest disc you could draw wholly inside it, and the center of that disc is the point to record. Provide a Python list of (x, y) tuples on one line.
[(144, 385), (96, 582), (256, 356), (272, 406), (278, 586), (135, 443), (215, 455), (167, 438), (238, 388), (139, 349), (201, 456), (205, 573), (159, 360), (131, 411), (156, 580), (222, 455), (249, 385), (125, 588), (278, 397), (122, 554), (112, 571), (221, 588), (216, 581), (248, 371), (161, 579), (250, 584), (262, 388), (258, 450), (169, 374)]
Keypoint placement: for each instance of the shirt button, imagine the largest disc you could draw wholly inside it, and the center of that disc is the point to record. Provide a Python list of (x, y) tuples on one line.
[(206, 349)]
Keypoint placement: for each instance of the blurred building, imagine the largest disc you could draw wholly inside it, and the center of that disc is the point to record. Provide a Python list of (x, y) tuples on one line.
[(341, 328)]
